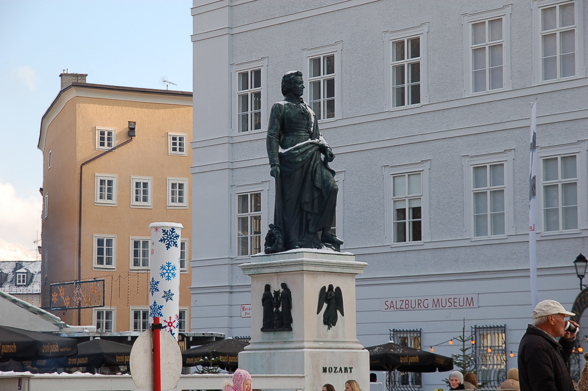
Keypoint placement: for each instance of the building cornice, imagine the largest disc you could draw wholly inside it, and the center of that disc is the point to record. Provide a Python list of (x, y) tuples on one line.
[(102, 91)]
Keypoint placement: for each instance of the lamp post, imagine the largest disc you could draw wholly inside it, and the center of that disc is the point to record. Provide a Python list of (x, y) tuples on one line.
[(581, 263)]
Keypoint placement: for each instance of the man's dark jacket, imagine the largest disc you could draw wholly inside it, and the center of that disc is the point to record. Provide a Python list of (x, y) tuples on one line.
[(542, 362)]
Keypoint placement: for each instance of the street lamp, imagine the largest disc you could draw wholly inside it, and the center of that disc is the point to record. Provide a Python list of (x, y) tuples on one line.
[(581, 263)]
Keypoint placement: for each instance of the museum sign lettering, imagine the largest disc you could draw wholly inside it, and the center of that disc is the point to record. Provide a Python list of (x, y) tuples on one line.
[(429, 303)]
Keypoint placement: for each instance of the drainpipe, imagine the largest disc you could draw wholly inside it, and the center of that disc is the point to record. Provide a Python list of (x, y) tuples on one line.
[(132, 135)]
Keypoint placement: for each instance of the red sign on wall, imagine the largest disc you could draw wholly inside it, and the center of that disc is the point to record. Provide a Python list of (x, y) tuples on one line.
[(245, 310)]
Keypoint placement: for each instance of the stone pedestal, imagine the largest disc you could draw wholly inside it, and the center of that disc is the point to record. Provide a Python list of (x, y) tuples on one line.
[(323, 355)]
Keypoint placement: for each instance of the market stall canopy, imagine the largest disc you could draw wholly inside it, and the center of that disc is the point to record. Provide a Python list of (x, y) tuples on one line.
[(95, 353), (223, 353), (22, 345), (391, 356)]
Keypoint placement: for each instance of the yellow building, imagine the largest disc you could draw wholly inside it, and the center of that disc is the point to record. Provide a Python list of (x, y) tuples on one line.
[(115, 159)]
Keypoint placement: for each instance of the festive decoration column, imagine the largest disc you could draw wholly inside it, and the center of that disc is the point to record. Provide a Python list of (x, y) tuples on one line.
[(164, 288)]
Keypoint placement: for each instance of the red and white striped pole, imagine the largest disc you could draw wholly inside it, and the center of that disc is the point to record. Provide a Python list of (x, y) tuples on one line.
[(156, 354)]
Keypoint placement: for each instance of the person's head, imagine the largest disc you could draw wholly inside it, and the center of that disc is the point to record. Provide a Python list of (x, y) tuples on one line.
[(549, 316), (471, 378), (328, 387), (513, 374), (352, 385), (241, 380), (455, 379), (292, 83)]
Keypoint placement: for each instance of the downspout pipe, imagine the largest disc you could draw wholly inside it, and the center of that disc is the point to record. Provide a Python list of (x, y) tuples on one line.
[(132, 136)]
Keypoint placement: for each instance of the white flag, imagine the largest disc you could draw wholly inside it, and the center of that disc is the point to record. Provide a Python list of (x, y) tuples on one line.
[(533, 206)]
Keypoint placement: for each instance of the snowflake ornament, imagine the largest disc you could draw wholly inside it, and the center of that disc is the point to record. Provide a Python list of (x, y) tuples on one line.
[(170, 323), (168, 295), (167, 271), (169, 238), (153, 286), (155, 310)]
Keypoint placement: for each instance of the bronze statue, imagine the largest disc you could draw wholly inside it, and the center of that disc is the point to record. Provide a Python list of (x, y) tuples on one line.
[(286, 299), (334, 300), (267, 303), (306, 191), (277, 309), (277, 313)]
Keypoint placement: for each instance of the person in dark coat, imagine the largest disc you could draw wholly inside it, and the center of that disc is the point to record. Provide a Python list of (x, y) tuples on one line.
[(542, 358)]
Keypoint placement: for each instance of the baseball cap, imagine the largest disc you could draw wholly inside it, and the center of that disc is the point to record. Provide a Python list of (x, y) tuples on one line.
[(550, 307)]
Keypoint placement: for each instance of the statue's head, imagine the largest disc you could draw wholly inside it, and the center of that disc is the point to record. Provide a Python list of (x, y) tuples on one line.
[(267, 287), (283, 285), (289, 81)]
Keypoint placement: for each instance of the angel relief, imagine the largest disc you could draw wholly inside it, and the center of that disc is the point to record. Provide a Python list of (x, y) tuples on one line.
[(333, 298)]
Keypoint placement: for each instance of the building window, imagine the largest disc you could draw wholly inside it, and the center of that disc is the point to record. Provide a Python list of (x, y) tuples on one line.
[(488, 199), (49, 158), (140, 252), (321, 80), (105, 138), (21, 278), (176, 144), (182, 321), (248, 223), (183, 253), (487, 60), (249, 95), (141, 188), (249, 100), (177, 192), (105, 189), (411, 339), (141, 320), (46, 206), (406, 51), (487, 51), (407, 202), (104, 320), (323, 73), (560, 193), (406, 71), (104, 251), (406, 210), (558, 40), (490, 354)]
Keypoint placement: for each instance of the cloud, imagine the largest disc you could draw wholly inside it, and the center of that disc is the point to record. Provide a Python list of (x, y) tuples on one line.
[(28, 76), (20, 222)]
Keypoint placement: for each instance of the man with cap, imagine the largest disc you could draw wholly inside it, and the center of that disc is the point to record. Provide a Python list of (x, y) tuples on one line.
[(542, 358)]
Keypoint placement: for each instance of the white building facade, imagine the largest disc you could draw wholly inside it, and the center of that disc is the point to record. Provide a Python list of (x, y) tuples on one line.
[(427, 108)]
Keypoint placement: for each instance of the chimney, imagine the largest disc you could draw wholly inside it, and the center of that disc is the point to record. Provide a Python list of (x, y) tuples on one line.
[(68, 78)]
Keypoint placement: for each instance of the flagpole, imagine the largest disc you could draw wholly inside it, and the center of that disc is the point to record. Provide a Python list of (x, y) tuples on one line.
[(533, 205)]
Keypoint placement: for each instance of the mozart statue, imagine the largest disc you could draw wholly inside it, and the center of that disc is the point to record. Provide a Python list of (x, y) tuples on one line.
[(306, 191)]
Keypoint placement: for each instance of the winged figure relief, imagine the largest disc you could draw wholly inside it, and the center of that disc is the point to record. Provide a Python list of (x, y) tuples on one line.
[(333, 298)]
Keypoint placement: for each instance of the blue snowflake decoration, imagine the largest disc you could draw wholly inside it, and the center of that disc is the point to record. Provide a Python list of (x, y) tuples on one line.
[(153, 286), (169, 238), (167, 271), (155, 310), (168, 295)]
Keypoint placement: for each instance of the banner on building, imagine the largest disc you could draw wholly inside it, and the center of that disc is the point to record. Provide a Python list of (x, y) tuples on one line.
[(77, 295)]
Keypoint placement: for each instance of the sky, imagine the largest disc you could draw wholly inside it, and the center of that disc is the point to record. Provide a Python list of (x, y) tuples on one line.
[(131, 43)]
